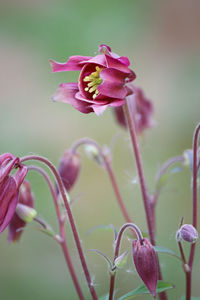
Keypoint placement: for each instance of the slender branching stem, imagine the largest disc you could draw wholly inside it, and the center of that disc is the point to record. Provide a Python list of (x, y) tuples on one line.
[(138, 233), (61, 225), (194, 212), (149, 209), (70, 216), (108, 167)]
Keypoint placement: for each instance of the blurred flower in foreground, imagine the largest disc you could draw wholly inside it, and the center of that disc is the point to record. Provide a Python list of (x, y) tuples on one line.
[(146, 263), (68, 169), (9, 187), (188, 233), (24, 213), (102, 81), (142, 110)]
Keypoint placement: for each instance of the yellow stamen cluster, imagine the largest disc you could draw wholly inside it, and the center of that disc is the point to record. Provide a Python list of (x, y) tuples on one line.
[(93, 81)]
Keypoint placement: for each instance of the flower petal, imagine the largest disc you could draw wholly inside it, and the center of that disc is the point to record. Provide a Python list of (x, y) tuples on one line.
[(66, 93), (119, 65), (73, 64), (113, 83), (99, 109), (98, 60), (97, 100), (8, 202)]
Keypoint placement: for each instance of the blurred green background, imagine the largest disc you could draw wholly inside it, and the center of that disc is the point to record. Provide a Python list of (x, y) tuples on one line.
[(161, 38)]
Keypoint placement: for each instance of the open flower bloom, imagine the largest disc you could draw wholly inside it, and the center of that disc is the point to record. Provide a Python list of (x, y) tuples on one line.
[(26, 204), (102, 81), (9, 187), (141, 109)]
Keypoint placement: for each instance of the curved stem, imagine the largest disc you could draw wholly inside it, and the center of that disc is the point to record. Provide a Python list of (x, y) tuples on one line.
[(149, 208), (117, 248), (70, 216), (63, 243), (108, 167)]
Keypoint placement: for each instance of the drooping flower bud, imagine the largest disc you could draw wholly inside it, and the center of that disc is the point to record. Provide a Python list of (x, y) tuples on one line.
[(141, 109), (146, 263), (69, 168), (24, 213), (188, 233), (9, 187)]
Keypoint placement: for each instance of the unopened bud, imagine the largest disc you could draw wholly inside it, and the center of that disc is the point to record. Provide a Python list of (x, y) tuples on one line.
[(69, 168), (25, 213), (93, 153), (146, 263), (188, 233)]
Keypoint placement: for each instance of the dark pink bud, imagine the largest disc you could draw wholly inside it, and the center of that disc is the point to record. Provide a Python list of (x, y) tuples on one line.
[(25, 200), (69, 168), (146, 263), (141, 110), (9, 187), (188, 233)]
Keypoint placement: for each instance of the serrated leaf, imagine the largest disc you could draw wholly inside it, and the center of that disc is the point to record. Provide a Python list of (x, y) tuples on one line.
[(193, 298), (104, 297), (141, 290), (160, 249)]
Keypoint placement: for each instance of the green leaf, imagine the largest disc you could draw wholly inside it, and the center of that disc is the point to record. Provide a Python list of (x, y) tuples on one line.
[(104, 297), (109, 227), (160, 249), (141, 290), (104, 256), (193, 298)]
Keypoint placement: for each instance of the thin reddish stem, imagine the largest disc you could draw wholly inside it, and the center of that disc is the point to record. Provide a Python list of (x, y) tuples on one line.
[(62, 243), (149, 208), (117, 249), (70, 216), (110, 172)]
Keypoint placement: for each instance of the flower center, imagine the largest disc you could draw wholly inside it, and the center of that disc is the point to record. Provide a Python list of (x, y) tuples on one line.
[(93, 81)]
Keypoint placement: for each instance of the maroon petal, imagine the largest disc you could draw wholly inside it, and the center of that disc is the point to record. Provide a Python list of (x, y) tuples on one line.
[(117, 64), (97, 100), (6, 168), (113, 83), (20, 175), (97, 60), (8, 201), (73, 64), (66, 93)]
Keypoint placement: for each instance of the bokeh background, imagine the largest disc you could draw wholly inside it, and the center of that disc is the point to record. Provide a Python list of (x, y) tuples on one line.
[(162, 40)]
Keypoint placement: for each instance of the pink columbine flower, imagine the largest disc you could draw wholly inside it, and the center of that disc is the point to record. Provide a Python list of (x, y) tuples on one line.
[(102, 81), (146, 263), (188, 233), (142, 110), (9, 187), (25, 206)]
